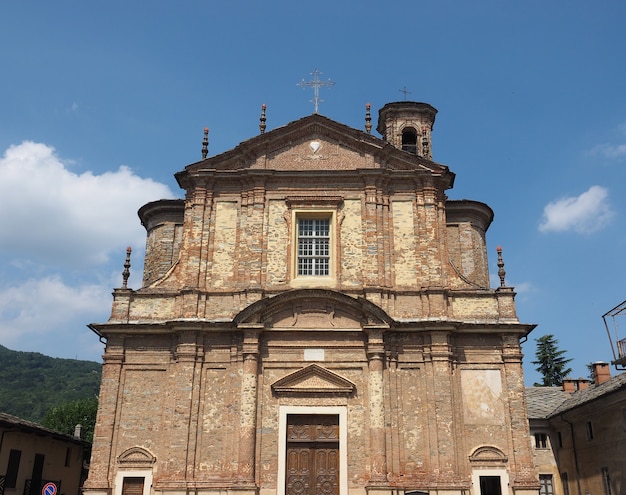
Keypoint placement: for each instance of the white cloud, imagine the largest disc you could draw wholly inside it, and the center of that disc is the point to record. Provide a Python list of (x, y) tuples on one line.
[(59, 229), (56, 216), (585, 213), (611, 151), (50, 317)]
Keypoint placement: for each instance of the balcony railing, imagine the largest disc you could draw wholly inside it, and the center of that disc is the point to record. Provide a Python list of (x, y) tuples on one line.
[(29, 489)]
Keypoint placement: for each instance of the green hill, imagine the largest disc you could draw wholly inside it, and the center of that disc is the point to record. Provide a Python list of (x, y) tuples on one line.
[(31, 383)]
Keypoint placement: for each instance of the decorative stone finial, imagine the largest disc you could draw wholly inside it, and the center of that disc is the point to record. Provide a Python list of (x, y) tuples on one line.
[(501, 272), (126, 272), (368, 118), (205, 143), (263, 119)]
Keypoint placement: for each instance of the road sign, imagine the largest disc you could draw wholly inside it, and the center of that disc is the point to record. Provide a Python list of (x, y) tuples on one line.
[(49, 489)]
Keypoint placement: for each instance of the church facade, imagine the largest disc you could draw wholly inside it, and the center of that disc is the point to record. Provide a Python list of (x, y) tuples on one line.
[(315, 318)]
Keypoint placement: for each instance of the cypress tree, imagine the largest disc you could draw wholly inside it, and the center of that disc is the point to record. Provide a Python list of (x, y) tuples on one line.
[(551, 362)]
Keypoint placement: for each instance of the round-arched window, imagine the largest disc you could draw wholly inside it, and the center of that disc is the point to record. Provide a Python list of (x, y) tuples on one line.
[(409, 140)]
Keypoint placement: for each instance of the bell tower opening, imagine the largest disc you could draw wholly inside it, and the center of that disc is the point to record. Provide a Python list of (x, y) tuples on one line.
[(408, 126), (409, 140)]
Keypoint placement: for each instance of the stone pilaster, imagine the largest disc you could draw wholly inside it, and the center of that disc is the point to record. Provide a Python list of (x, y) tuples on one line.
[(506, 303), (122, 299), (250, 225), (430, 230), (441, 423), (196, 237), (205, 237), (248, 411), (183, 406), (371, 250), (386, 236), (523, 476), (104, 435), (256, 224), (376, 357)]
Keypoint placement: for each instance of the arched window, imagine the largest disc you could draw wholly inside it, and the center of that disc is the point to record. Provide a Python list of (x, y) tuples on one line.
[(409, 140)]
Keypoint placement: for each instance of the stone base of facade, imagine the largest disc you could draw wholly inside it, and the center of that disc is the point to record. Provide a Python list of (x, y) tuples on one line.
[(390, 490), (96, 491), (525, 491), (233, 490)]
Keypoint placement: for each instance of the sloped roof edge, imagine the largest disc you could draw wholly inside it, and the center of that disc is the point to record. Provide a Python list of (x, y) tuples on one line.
[(594, 392), (14, 422), (258, 145)]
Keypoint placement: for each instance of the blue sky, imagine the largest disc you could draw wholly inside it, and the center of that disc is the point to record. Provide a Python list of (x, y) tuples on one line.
[(101, 103)]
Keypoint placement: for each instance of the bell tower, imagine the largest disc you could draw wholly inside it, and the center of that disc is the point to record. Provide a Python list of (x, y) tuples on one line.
[(408, 125)]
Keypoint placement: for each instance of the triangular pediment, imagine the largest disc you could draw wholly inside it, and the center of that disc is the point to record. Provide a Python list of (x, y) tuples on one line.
[(313, 380), (319, 143)]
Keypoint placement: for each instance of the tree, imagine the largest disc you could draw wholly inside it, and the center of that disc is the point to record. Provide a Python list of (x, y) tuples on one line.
[(65, 417), (551, 361), (590, 374)]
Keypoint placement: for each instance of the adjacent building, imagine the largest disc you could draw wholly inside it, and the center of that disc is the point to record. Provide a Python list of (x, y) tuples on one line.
[(315, 317), (579, 434), (34, 458)]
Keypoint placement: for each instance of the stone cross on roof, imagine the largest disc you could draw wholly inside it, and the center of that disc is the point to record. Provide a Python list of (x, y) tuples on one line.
[(316, 84)]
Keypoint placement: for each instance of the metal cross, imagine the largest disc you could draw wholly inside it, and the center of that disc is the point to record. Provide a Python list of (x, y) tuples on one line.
[(405, 91), (316, 84)]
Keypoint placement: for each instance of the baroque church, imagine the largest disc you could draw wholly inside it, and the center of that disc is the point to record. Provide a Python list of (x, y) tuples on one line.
[(315, 318)]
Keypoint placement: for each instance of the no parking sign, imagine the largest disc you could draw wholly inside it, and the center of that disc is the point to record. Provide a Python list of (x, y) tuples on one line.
[(49, 489)]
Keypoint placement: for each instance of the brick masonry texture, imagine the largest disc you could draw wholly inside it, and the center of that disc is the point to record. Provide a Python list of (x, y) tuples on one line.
[(407, 337)]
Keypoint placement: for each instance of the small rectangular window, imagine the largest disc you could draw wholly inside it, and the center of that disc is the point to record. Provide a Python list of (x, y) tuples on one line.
[(313, 246), (565, 482), (589, 430), (545, 484), (560, 439), (12, 468), (541, 441), (606, 481)]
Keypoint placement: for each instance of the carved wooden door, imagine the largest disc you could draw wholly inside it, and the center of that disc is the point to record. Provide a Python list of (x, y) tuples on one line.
[(312, 454)]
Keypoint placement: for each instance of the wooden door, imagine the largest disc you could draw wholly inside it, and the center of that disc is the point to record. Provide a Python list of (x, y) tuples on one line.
[(490, 485), (132, 486), (312, 454)]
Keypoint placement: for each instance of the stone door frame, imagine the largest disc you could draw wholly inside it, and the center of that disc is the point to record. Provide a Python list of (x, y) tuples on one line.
[(341, 412)]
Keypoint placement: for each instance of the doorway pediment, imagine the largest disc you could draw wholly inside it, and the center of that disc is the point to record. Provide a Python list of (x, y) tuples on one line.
[(313, 379)]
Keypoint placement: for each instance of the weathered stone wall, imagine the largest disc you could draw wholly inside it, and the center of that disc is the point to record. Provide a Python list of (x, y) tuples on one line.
[(419, 355), (163, 221), (398, 244), (180, 398)]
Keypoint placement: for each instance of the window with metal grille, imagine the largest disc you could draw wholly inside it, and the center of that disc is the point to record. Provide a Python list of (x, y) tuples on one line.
[(12, 468), (541, 441), (545, 483), (313, 246)]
